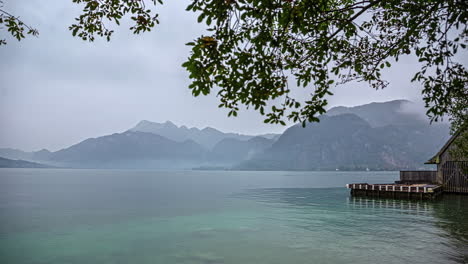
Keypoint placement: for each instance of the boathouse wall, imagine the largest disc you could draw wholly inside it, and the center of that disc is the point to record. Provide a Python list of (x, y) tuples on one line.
[(414, 177), (443, 158), (452, 173)]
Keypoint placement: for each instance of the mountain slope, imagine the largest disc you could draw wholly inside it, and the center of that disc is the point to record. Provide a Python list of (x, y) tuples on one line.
[(207, 137), (231, 150), (130, 150), (9, 163), (378, 136), (397, 112), (23, 155), (348, 142)]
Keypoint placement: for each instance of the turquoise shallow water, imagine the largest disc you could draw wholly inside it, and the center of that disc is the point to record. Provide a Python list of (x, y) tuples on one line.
[(103, 216)]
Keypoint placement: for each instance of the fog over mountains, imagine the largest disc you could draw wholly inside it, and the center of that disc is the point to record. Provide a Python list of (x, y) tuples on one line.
[(378, 136), (207, 137), (9, 163)]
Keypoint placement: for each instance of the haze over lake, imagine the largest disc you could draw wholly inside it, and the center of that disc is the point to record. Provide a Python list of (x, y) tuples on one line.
[(121, 216), (375, 136), (233, 132)]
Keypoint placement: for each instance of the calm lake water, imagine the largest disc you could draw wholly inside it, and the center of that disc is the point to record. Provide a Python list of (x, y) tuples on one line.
[(106, 216)]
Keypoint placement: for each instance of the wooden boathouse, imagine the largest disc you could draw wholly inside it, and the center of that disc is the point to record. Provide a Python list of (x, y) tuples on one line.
[(452, 169), (451, 176)]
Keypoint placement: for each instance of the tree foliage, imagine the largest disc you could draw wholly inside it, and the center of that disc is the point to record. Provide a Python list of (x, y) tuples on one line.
[(14, 26), (92, 22), (257, 47), (460, 150)]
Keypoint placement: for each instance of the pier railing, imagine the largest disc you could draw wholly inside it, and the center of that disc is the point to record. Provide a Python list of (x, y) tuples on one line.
[(394, 187)]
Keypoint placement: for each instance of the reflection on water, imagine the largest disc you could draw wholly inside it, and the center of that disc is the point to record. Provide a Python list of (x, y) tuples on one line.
[(146, 217), (428, 229), (452, 215)]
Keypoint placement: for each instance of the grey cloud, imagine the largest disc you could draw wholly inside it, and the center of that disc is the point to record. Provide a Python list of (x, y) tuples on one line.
[(56, 90)]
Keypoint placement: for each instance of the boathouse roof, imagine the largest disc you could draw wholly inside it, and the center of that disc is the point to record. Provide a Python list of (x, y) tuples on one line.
[(436, 158)]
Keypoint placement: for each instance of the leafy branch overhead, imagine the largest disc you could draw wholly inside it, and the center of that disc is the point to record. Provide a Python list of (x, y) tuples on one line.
[(256, 48), (14, 26), (96, 13), (260, 44)]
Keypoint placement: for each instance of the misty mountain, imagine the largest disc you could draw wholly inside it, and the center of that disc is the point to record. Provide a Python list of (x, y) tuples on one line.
[(348, 142), (17, 154), (378, 136), (130, 150), (147, 150), (207, 137), (133, 149), (232, 150), (397, 112), (9, 163)]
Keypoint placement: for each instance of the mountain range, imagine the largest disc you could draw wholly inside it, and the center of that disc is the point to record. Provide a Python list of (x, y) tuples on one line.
[(348, 142), (207, 137), (9, 163), (395, 113), (378, 136)]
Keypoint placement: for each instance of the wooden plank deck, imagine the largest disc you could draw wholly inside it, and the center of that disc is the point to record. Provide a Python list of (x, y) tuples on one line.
[(411, 191)]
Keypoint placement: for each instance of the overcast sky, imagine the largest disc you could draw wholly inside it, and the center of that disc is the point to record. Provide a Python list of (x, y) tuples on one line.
[(56, 90)]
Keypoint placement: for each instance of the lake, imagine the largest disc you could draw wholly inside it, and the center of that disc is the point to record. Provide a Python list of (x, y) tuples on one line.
[(220, 217)]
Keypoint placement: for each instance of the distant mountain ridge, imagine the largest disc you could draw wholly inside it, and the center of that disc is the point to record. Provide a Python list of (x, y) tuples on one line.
[(23, 155), (131, 149), (231, 150), (378, 136), (383, 114), (207, 137), (348, 142), (9, 163)]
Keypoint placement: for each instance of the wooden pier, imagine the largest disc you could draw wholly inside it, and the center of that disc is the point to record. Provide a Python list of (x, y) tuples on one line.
[(451, 176), (409, 191)]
